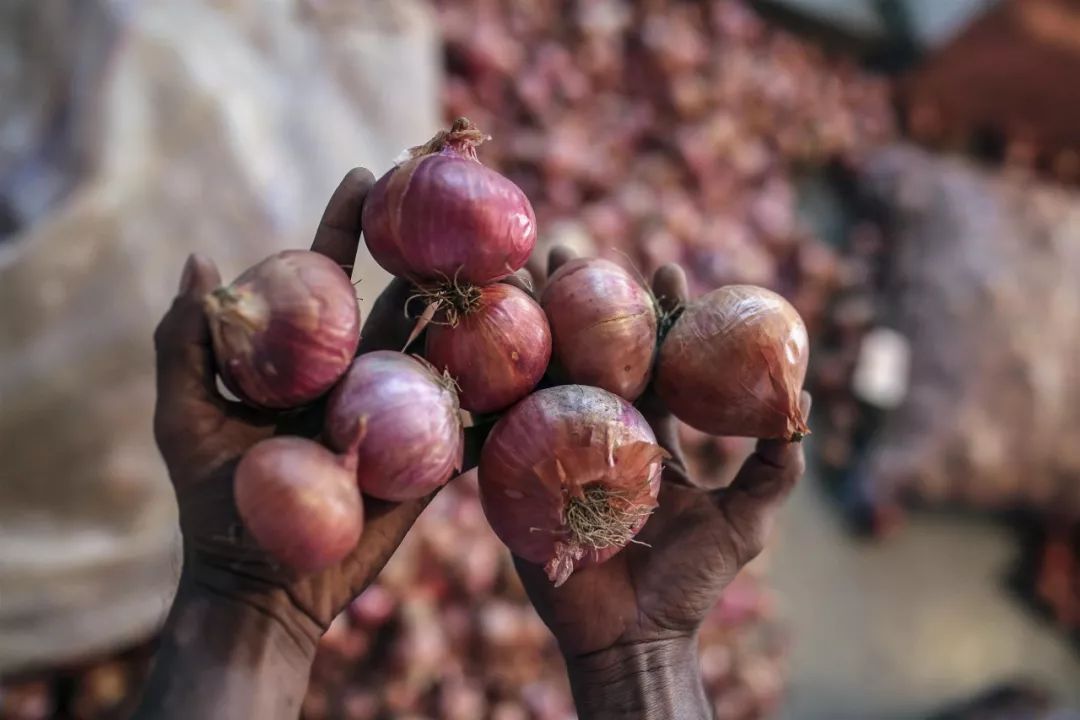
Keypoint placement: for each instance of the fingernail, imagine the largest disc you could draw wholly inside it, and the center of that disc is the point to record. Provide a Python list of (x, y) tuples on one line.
[(187, 277)]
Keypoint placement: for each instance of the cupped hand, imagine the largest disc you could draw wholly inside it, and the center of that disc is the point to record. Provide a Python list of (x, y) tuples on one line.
[(662, 587), (202, 437)]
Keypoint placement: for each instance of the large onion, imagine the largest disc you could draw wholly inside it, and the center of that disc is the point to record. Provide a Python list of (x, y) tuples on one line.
[(497, 350), (442, 216), (568, 476), (285, 330), (603, 326), (300, 502), (402, 418), (734, 364)]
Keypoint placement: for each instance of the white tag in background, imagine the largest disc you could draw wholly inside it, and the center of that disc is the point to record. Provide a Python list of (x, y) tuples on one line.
[(882, 371)]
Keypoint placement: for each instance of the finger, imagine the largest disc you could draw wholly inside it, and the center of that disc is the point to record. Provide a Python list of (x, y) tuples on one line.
[(390, 322), (338, 235), (522, 280), (185, 361), (535, 267), (385, 526), (669, 287), (765, 480), (475, 437), (559, 256)]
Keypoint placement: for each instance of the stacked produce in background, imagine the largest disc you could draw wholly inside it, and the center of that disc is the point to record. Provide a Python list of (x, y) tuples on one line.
[(658, 131)]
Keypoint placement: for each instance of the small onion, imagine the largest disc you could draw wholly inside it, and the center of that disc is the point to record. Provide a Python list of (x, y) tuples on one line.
[(603, 326), (497, 351), (734, 364), (300, 502), (568, 476), (285, 330), (402, 417), (442, 216)]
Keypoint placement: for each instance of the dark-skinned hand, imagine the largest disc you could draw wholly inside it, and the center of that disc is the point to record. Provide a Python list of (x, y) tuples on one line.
[(202, 437), (692, 546)]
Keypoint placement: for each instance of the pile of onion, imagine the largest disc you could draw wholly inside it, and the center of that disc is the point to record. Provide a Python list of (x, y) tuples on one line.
[(400, 418), (569, 476), (285, 330), (441, 216), (497, 348), (734, 364), (603, 326), (300, 502)]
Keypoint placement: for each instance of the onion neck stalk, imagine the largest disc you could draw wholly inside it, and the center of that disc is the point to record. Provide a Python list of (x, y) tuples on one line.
[(463, 137), (236, 318)]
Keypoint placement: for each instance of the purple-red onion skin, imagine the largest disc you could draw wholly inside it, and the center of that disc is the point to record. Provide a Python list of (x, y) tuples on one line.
[(446, 217), (603, 326), (286, 330), (403, 420), (300, 502), (497, 352), (582, 429), (734, 364)]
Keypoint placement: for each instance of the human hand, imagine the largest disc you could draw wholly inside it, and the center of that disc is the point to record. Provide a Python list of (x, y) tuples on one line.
[(202, 437), (638, 613)]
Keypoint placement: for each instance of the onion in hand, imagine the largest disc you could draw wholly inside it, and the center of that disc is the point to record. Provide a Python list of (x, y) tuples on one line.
[(569, 476), (442, 216), (300, 502), (603, 326), (734, 364), (497, 350), (402, 418), (285, 330)]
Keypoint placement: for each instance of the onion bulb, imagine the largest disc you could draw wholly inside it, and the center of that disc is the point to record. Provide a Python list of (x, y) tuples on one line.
[(300, 502), (285, 330), (442, 216), (603, 326), (402, 418), (497, 350), (734, 364), (569, 476)]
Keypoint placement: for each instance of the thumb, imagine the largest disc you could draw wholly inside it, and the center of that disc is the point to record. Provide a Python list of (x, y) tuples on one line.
[(185, 361), (751, 501)]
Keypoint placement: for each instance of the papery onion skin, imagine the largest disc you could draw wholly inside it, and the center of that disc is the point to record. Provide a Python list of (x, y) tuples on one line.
[(402, 418), (286, 330), (300, 502), (603, 326), (545, 451), (443, 216), (496, 352), (734, 364)]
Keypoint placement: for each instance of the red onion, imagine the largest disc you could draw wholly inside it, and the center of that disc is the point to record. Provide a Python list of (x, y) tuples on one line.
[(443, 216), (498, 349), (285, 330), (568, 476), (300, 502), (603, 326), (734, 364), (403, 419)]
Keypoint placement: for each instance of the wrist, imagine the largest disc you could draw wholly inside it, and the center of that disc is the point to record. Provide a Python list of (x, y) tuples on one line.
[(653, 679), (252, 594), (228, 655)]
